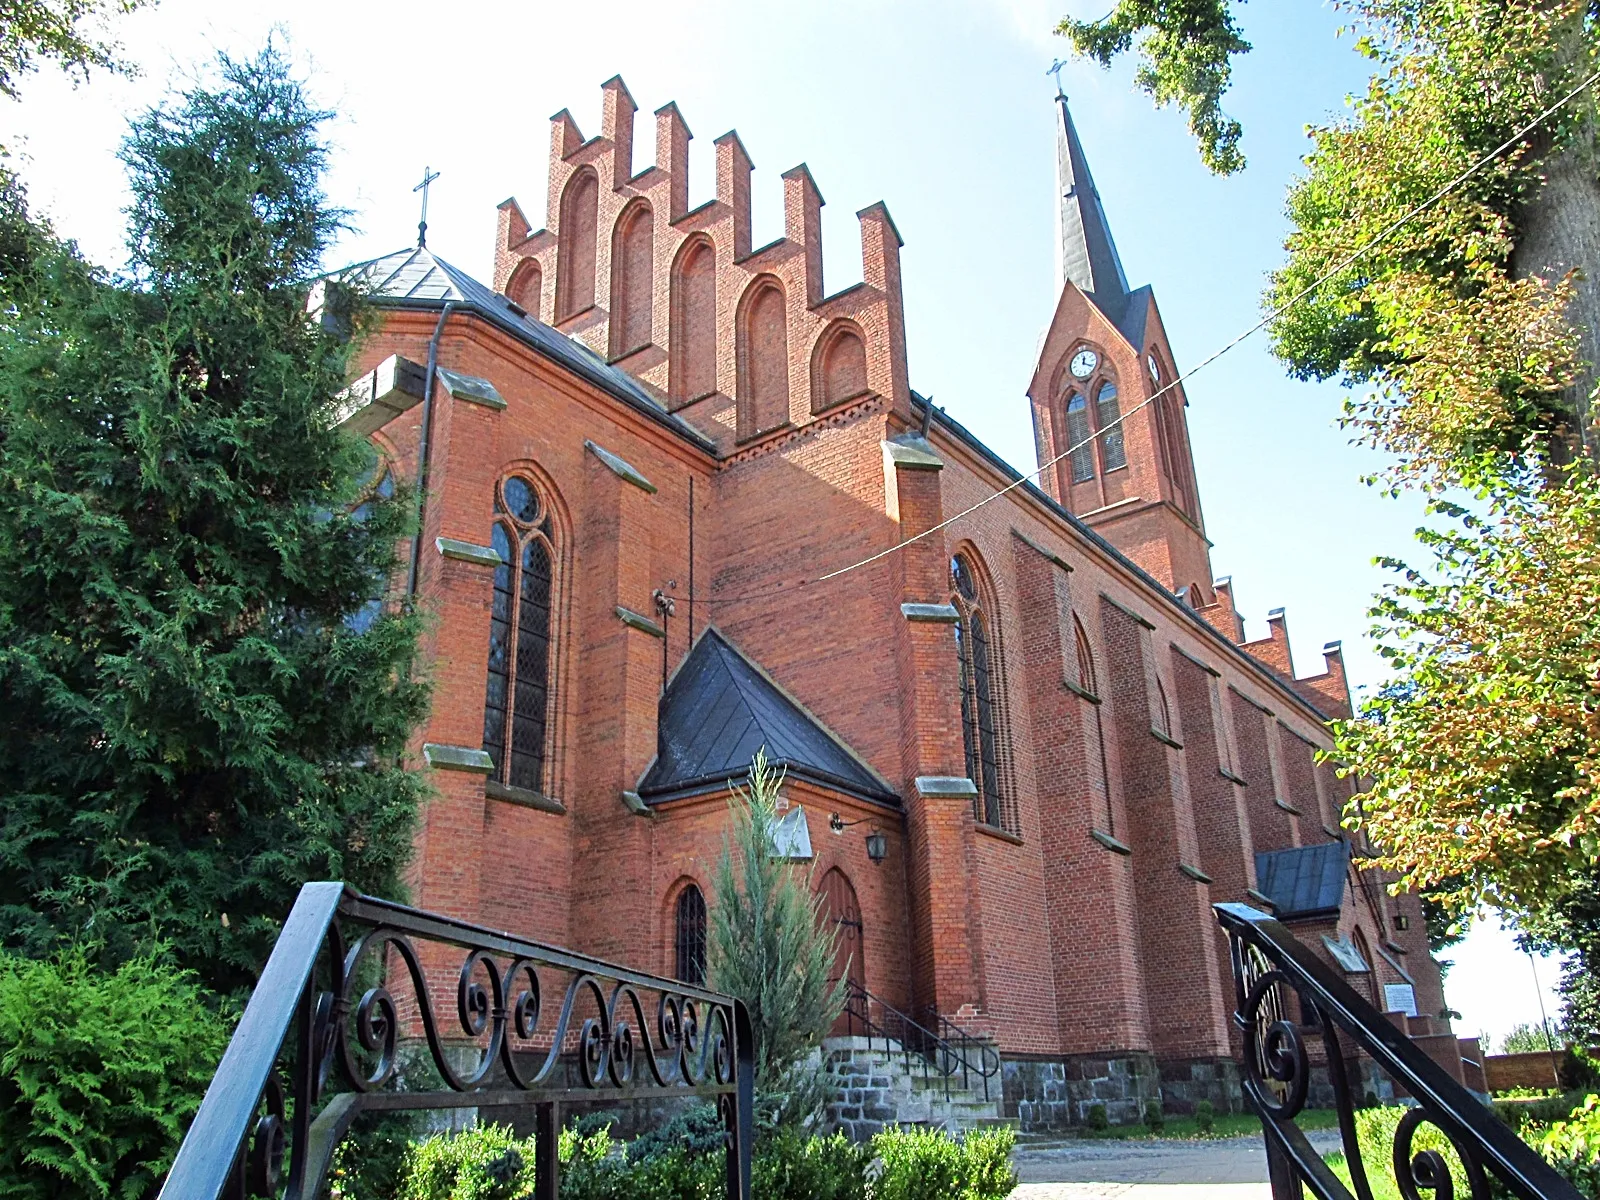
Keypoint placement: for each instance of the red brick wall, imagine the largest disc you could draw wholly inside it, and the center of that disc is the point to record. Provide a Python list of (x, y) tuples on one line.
[(1043, 935)]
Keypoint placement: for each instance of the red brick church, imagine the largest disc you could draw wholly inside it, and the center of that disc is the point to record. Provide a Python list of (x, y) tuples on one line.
[(1048, 744)]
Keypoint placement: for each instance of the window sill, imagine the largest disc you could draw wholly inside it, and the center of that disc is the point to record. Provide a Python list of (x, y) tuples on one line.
[(526, 797), (994, 831), (1110, 843), (1080, 690), (1166, 739)]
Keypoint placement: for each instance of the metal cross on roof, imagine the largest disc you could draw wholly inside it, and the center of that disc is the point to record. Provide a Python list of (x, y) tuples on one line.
[(422, 225), (1055, 69)]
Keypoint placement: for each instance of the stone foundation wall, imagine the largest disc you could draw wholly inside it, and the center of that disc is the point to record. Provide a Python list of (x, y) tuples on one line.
[(1057, 1093), (1186, 1082)]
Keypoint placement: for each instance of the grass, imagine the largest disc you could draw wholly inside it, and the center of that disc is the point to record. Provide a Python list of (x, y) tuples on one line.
[(1383, 1184), (1223, 1125)]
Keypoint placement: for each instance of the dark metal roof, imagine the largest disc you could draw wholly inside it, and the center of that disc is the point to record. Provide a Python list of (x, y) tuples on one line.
[(720, 708), (418, 277), (1306, 881), (1088, 255)]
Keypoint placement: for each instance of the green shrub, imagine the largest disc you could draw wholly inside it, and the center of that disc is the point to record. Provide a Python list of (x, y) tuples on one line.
[(1518, 1113), (1153, 1118), (1205, 1116), (1095, 1117), (922, 1164), (791, 1167), (486, 1162), (100, 1073), (1375, 1129), (1573, 1147)]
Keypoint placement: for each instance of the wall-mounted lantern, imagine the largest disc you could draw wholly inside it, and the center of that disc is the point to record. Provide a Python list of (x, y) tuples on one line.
[(877, 843)]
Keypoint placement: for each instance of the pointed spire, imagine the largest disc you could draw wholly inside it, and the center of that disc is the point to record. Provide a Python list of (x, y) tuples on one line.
[(1085, 252)]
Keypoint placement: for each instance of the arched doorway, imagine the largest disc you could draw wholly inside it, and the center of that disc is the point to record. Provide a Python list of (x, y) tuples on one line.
[(844, 914)]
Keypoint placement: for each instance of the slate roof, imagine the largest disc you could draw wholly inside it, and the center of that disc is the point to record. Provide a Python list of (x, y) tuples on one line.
[(1306, 881), (1089, 255), (720, 708), (418, 277)]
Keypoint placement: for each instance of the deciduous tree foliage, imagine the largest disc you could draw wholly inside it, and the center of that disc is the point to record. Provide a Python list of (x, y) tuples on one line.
[(61, 31), (194, 722)]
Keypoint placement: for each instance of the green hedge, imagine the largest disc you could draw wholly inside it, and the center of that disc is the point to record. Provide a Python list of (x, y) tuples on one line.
[(100, 1073), (488, 1162)]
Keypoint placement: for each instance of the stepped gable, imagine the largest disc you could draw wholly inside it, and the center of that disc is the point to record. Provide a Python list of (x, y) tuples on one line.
[(1306, 881), (720, 708), (417, 276), (744, 340)]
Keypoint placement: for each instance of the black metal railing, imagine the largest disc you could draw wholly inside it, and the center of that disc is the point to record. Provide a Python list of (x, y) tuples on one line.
[(347, 1019), (1274, 973), (948, 1059)]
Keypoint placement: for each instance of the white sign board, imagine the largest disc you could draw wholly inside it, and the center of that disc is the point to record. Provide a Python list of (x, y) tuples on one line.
[(1400, 997)]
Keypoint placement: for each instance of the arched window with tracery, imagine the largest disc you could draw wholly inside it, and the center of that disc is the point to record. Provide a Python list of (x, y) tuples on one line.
[(1094, 726), (1082, 456), (520, 699), (982, 705), (575, 249), (1107, 416), (689, 936)]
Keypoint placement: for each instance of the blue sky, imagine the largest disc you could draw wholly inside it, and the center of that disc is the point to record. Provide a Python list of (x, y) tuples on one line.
[(943, 110)]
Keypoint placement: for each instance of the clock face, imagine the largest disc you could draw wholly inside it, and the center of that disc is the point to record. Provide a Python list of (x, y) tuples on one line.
[(1155, 369), (1083, 363)]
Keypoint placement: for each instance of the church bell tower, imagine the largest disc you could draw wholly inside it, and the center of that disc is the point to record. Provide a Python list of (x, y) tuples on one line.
[(1119, 460)]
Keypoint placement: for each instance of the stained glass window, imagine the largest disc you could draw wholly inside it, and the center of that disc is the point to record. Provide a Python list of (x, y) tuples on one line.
[(517, 700)]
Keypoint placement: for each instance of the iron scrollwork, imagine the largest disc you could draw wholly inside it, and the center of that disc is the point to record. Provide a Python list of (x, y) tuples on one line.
[(1273, 975), (373, 1037)]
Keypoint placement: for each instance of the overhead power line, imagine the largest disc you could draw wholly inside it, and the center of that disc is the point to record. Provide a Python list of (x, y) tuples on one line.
[(1366, 247)]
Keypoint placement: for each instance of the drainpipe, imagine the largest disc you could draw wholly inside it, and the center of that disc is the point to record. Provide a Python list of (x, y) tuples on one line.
[(425, 445)]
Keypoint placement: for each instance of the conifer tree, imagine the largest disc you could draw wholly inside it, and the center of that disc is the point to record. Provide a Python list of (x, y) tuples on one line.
[(196, 720), (772, 947)]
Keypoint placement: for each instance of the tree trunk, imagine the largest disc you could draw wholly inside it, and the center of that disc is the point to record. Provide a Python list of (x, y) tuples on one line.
[(1559, 231)]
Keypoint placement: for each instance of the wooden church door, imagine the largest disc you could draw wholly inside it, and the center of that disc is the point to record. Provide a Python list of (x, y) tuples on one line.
[(844, 913)]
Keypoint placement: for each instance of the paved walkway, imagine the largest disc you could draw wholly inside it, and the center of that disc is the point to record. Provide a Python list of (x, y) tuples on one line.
[(1224, 1169)]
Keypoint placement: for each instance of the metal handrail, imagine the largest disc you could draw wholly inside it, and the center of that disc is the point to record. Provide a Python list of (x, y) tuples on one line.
[(350, 989), (921, 1049), (1270, 965)]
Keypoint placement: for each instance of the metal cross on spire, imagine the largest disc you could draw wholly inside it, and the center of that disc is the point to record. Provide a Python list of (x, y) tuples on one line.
[(1056, 69), (422, 225)]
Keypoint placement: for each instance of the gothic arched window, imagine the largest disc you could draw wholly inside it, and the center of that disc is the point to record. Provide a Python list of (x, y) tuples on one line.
[(1082, 456), (1107, 414), (689, 936), (575, 246), (520, 699), (981, 705)]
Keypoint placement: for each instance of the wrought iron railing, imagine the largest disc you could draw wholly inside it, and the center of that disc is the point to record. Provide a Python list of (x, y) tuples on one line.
[(348, 1019), (947, 1059), (1274, 973)]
